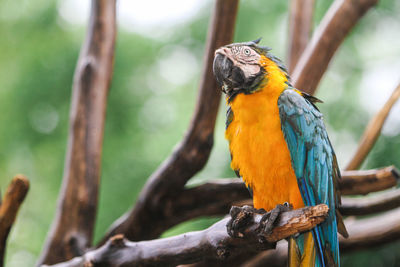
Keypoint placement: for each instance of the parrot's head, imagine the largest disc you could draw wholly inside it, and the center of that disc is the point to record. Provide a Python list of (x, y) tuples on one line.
[(239, 67)]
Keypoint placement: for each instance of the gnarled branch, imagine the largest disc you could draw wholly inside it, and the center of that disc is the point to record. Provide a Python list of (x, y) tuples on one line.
[(9, 207), (373, 131), (192, 153), (334, 27), (73, 226), (213, 242)]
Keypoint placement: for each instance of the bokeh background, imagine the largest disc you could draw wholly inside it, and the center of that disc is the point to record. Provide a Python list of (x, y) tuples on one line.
[(159, 55)]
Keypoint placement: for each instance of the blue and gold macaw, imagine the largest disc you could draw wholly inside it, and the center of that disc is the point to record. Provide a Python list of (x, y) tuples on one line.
[(279, 145)]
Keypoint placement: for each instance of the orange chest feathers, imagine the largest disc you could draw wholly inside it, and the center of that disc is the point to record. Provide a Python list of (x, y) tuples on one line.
[(259, 150)]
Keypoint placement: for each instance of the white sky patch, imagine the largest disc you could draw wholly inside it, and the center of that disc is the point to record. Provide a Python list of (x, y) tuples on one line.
[(152, 18)]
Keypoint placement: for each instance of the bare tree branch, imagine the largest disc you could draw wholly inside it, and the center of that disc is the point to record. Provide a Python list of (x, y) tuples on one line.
[(363, 234), (217, 196), (73, 225), (372, 232), (192, 153), (300, 24), (334, 27), (366, 181), (370, 205), (213, 242), (373, 131), (10, 204)]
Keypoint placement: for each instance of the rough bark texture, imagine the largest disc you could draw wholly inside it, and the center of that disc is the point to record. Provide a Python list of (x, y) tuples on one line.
[(145, 220), (334, 27), (215, 197), (372, 132), (213, 242), (300, 24), (73, 226), (366, 181), (10, 204)]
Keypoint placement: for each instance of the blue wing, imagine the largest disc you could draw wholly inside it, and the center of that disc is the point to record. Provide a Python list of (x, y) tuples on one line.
[(315, 166)]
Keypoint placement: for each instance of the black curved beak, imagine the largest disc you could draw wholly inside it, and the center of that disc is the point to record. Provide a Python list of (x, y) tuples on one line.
[(222, 68)]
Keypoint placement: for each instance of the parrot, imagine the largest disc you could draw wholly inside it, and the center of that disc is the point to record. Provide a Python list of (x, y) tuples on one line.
[(279, 146)]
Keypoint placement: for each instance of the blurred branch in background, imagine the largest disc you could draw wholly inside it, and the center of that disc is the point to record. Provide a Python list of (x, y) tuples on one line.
[(72, 230), (213, 242), (9, 207), (363, 182), (373, 131), (300, 25), (216, 196), (370, 205), (334, 27), (165, 201), (145, 220), (371, 232)]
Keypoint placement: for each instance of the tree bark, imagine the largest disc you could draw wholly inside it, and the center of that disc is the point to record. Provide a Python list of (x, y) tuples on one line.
[(9, 207), (334, 27), (72, 230), (144, 221), (213, 242)]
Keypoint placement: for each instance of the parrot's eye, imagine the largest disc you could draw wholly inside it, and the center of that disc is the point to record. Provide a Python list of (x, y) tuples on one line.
[(247, 51)]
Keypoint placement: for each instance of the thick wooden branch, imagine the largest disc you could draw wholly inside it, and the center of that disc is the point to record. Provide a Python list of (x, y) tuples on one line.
[(366, 181), (73, 226), (10, 204), (364, 234), (192, 153), (217, 196), (213, 242), (373, 131), (300, 24), (334, 27)]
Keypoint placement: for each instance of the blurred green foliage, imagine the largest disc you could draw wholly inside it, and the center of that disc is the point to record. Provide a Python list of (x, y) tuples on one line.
[(151, 100)]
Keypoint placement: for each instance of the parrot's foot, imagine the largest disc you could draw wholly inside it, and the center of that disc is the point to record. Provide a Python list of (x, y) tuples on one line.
[(240, 218), (268, 220)]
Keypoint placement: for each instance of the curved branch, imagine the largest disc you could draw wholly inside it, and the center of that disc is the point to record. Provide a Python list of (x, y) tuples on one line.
[(369, 205), (364, 234), (72, 229), (192, 153), (300, 23), (217, 196), (334, 27), (372, 131), (372, 232), (366, 181), (213, 242), (12, 200)]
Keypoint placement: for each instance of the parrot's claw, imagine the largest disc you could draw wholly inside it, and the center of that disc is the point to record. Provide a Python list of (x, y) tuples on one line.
[(268, 220), (240, 218)]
